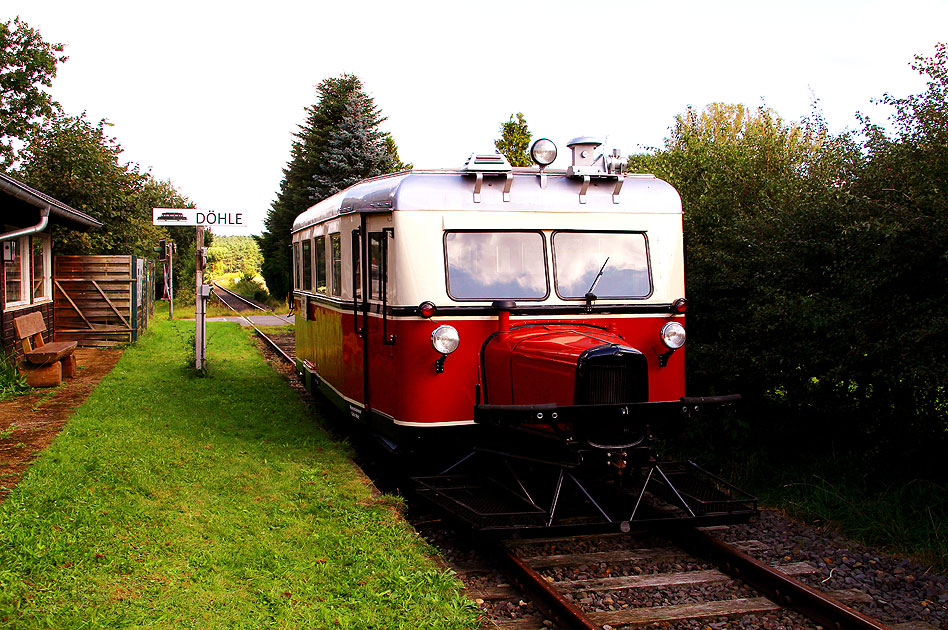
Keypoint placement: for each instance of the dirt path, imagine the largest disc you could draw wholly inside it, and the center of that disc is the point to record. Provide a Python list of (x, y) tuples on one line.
[(29, 423)]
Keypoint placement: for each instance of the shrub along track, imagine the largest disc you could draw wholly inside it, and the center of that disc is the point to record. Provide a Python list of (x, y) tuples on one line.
[(30, 422)]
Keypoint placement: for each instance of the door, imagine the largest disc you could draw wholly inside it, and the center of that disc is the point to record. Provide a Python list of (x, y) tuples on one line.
[(377, 327)]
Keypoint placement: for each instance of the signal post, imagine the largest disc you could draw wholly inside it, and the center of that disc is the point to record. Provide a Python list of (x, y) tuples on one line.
[(200, 219)]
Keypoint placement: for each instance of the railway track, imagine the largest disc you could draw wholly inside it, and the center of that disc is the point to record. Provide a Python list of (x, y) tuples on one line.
[(635, 580), (239, 304), (629, 585)]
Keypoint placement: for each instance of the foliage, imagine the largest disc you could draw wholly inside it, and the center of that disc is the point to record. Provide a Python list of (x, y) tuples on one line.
[(11, 382), (79, 163), (27, 64), (898, 249), (514, 141), (339, 144), (184, 502), (394, 163), (810, 261), (234, 254), (248, 287)]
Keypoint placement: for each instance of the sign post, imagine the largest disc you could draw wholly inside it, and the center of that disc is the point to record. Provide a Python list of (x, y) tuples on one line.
[(199, 219), (200, 319)]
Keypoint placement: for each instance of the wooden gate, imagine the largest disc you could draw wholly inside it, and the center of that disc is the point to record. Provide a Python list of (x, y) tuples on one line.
[(102, 300)]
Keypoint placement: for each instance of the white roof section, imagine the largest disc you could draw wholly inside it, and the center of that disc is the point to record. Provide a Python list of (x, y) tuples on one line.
[(453, 190)]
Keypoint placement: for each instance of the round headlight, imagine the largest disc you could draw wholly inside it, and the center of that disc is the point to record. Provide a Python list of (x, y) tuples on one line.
[(543, 152), (673, 335), (445, 339)]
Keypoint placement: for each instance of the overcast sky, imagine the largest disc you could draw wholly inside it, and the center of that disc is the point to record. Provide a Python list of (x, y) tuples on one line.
[(208, 94)]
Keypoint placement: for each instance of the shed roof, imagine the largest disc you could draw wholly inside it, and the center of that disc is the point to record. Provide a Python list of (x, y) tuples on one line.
[(57, 209)]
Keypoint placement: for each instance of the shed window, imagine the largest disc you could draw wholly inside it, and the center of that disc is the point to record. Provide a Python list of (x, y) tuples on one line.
[(13, 273), (27, 274), (41, 268)]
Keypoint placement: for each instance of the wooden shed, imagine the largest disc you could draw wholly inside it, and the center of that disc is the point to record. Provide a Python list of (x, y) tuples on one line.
[(27, 284)]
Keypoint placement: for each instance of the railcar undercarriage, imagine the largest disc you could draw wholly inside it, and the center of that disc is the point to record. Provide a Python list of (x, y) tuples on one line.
[(542, 477)]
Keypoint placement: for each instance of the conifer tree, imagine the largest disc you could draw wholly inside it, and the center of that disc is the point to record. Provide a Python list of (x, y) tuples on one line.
[(339, 144)]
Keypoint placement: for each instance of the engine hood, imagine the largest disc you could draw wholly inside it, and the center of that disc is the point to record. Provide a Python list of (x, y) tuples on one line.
[(551, 363)]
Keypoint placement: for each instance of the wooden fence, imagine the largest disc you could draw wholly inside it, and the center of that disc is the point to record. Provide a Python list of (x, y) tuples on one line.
[(102, 300)]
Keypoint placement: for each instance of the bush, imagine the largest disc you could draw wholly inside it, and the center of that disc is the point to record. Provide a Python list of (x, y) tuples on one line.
[(250, 288), (11, 382)]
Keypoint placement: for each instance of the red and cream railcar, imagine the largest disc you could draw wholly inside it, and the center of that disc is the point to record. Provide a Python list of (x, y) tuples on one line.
[(446, 298)]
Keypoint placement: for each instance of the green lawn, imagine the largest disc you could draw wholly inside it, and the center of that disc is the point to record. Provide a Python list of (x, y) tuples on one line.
[(175, 501)]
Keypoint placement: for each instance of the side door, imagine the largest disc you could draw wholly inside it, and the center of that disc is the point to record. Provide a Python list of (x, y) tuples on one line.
[(381, 381), (354, 315)]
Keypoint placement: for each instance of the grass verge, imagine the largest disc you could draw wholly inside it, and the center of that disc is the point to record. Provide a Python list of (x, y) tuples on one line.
[(175, 501), (902, 517)]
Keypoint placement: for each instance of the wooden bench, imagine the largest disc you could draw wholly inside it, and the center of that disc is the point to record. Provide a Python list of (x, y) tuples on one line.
[(46, 363)]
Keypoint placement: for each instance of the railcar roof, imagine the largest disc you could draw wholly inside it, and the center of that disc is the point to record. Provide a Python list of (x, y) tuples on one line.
[(453, 190)]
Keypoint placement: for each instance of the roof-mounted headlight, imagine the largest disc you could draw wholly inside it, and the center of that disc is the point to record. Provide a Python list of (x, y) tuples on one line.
[(673, 335), (543, 152), (445, 339)]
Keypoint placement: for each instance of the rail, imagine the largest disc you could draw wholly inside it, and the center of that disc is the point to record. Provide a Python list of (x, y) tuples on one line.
[(778, 586), (266, 338)]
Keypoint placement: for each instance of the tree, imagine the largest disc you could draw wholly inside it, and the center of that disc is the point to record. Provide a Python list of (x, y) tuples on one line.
[(514, 141), (339, 144), (78, 162), (899, 257), (235, 254), (27, 64), (765, 204)]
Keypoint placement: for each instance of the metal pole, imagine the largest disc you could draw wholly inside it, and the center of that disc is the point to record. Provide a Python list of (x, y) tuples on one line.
[(199, 319), (169, 285)]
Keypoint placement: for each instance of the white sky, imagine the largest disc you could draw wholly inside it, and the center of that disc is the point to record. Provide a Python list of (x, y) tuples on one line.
[(208, 94)]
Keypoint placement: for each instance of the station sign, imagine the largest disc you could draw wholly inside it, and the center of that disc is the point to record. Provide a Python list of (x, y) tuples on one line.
[(197, 217)]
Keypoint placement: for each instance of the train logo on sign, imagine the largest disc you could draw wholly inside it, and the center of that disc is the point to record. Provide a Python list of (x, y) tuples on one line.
[(193, 216)]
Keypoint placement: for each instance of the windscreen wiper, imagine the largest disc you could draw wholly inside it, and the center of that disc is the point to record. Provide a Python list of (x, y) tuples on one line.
[(590, 296)]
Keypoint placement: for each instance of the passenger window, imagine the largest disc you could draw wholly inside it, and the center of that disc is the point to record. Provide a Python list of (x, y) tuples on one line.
[(321, 264), (610, 264), (296, 265), (376, 266), (307, 283), (335, 245), (356, 265), (496, 265)]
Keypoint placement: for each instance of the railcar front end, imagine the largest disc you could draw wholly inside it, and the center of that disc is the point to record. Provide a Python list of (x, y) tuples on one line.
[(530, 321)]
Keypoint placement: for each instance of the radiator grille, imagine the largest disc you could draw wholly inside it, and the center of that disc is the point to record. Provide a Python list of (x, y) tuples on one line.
[(611, 375)]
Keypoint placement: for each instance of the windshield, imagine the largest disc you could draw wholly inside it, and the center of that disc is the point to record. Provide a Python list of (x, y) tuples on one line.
[(622, 257), (496, 265)]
